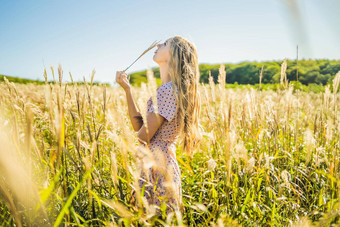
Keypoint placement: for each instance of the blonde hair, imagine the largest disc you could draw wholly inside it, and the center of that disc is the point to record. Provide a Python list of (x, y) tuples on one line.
[(184, 73)]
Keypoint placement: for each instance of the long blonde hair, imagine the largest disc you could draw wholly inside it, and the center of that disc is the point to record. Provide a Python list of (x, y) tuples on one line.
[(184, 73)]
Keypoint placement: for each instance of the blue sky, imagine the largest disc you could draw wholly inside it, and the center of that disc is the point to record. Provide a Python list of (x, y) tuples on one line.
[(109, 35)]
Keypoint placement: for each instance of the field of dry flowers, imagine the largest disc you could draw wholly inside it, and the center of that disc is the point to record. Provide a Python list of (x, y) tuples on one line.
[(68, 156)]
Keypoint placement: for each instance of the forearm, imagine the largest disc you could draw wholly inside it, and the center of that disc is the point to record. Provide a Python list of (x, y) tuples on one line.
[(135, 116)]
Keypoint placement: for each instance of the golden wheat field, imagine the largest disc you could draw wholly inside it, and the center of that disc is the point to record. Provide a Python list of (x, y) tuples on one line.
[(68, 156)]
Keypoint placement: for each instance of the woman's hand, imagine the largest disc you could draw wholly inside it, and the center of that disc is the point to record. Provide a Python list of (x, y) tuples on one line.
[(121, 79)]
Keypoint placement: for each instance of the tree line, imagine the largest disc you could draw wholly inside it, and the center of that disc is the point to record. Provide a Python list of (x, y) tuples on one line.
[(321, 71)]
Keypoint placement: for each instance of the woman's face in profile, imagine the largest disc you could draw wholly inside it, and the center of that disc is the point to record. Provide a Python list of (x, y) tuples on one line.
[(162, 54)]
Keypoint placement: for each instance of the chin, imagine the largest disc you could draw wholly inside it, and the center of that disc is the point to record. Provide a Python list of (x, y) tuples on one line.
[(155, 59)]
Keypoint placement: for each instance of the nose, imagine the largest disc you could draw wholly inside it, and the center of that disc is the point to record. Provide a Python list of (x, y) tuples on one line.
[(158, 45)]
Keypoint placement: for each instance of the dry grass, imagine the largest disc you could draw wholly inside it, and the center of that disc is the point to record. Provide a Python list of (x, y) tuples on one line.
[(267, 158)]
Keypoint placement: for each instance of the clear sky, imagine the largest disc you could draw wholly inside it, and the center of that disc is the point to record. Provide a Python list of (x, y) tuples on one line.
[(109, 35)]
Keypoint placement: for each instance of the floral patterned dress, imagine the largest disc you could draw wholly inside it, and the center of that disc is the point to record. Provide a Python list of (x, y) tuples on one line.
[(163, 180)]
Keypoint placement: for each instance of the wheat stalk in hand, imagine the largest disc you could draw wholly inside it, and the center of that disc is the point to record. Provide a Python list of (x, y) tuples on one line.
[(145, 51)]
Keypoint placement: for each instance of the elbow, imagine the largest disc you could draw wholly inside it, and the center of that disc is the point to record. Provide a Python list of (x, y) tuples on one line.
[(138, 123), (136, 128), (142, 138)]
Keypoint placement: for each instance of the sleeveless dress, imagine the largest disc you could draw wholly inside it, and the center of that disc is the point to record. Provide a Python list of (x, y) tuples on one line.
[(163, 181)]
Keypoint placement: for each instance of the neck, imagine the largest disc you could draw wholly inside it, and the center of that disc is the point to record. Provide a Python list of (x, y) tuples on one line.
[(163, 69)]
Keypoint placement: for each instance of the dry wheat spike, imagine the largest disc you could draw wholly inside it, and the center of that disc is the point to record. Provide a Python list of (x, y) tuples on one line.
[(145, 51)]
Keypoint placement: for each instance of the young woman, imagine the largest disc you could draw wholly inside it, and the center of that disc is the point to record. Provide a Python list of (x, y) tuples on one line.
[(173, 115)]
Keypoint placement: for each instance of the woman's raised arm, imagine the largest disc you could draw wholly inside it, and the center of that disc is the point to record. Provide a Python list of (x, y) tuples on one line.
[(135, 116)]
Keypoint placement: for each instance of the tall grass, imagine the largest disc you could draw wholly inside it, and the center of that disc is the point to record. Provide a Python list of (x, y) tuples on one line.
[(267, 157)]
